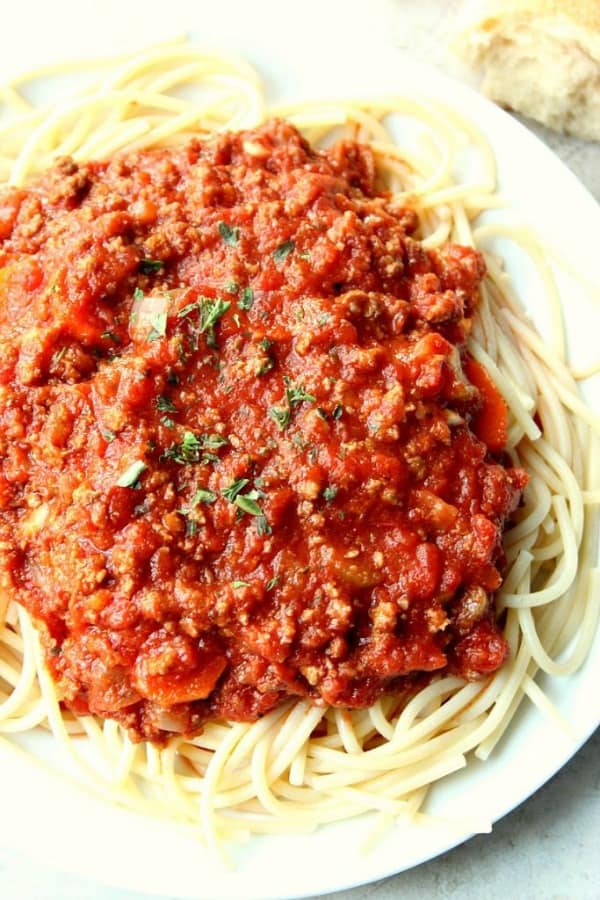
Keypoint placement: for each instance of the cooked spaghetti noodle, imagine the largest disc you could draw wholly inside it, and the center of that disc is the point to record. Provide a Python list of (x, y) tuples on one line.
[(302, 765)]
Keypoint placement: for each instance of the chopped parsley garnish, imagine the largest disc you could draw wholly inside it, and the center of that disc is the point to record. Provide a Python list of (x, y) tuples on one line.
[(272, 582), (191, 527), (247, 299), (213, 441), (209, 312), (131, 476), (283, 251), (265, 344), (187, 310), (281, 416), (138, 294), (262, 526), (312, 455), (188, 450), (203, 495), (163, 404), (247, 503), (338, 411), (232, 287), (295, 394), (240, 584), (159, 326), (230, 234), (231, 492), (330, 493), (193, 449), (108, 435), (167, 422), (148, 266)]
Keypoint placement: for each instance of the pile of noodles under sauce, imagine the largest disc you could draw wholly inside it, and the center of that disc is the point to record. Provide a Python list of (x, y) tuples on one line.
[(283, 773)]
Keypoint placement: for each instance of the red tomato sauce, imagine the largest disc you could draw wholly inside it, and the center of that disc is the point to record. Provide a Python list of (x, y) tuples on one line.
[(236, 455)]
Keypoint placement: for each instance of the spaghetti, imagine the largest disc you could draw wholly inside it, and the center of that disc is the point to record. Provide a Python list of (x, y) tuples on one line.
[(301, 765)]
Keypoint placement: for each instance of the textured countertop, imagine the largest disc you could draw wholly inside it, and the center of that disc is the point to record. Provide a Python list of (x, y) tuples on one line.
[(548, 847)]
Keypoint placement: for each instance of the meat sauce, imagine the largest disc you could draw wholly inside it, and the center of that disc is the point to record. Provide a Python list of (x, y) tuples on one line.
[(240, 457)]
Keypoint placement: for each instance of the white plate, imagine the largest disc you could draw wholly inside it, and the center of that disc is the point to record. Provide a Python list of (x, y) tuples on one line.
[(63, 826)]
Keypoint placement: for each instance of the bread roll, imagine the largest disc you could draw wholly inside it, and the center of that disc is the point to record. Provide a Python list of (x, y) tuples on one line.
[(539, 57)]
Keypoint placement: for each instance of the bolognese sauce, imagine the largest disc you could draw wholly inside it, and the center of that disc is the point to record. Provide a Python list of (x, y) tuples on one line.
[(245, 455)]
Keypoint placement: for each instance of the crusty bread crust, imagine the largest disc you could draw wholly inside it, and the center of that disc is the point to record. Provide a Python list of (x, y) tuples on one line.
[(585, 13), (539, 57)]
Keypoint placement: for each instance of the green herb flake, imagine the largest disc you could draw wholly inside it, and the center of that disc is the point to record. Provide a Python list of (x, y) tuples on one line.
[(204, 496), (281, 416), (230, 493), (247, 503), (283, 251), (330, 493), (191, 527), (108, 435), (138, 294), (240, 584), (272, 582), (159, 326), (262, 526), (190, 447), (338, 412), (130, 478), (295, 394), (187, 310), (213, 441), (232, 287), (193, 449), (210, 311), (230, 234), (148, 266), (163, 404), (246, 301), (167, 422), (265, 344)]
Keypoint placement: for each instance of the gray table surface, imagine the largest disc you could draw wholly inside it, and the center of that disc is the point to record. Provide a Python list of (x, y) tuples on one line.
[(548, 847)]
